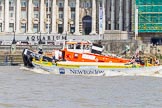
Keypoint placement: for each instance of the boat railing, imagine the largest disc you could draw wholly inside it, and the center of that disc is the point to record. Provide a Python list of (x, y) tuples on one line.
[(79, 50)]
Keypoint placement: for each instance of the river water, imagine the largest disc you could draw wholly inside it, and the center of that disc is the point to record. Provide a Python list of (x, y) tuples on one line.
[(25, 89)]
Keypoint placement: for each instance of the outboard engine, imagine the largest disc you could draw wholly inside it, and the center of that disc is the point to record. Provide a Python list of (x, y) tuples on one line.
[(27, 58)]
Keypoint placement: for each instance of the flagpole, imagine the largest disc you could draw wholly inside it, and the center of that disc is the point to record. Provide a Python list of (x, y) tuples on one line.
[(100, 20), (48, 16), (136, 22)]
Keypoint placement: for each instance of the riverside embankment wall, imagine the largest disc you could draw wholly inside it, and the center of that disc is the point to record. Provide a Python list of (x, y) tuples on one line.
[(111, 46), (8, 57)]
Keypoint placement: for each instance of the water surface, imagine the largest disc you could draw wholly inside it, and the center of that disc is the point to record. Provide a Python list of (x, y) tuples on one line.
[(25, 89)]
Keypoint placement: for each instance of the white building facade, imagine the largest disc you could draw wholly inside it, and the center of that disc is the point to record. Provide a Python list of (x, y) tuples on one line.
[(72, 17)]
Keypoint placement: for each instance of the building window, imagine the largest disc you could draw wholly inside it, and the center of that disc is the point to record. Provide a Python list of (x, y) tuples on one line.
[(47, 3), (36, 3), (23, 3), (0, 27), (73, 15), (60, 28), (72, 28), (36, 14), (48, 15), (72, 4), (23, 28), (11, 3), (35, 28), (11, 14), (11, 27), (61, 15), (47, 28), (23, 14), (82, 4), (0, 14), (86, 4), (109, 27)]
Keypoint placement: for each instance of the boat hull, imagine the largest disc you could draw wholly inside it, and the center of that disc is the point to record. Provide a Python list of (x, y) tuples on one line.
[(90, 57), (95, 71)]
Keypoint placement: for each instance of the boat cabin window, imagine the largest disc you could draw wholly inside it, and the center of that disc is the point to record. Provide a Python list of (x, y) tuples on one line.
[(71, 46), (86, 47), (78, 46)]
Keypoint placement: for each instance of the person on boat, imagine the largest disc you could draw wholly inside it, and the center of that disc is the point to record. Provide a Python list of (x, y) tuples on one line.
[(137, 60), (53, 55), (151, 60), (40, 51), (157, 62), (140, 61), (132, 60), (57, 55), (39, 55), (60, 54)]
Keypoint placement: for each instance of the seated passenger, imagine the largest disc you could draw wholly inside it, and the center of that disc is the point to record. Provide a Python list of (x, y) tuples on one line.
[(40, 51), (132, 60), (157, 62)]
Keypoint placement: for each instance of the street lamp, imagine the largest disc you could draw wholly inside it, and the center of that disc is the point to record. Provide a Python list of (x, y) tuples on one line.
[(40, 40), (13, 45), (14, 28), (14, 41)]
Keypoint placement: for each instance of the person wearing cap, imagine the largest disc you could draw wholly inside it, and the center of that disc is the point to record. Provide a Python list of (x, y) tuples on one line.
[(40, 51)]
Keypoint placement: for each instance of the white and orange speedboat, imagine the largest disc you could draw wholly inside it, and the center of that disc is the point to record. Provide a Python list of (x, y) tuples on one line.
[(42, 62), (85, 51)]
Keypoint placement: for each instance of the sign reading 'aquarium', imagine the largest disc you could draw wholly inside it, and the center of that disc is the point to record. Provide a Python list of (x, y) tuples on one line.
[(89, 71)]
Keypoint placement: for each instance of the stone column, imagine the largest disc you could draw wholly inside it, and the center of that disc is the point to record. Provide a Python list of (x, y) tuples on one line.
[(42, 16), (18, 11), (127, 15), (77, 18), (121, 15), (65, 17), (6, 16), (112, 15), (104, 21), (30, 8), (93, 17), (108, 15), (54, 15)]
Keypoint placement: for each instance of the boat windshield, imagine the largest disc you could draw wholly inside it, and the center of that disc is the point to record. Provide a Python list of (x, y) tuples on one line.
[(78, 45), (70, 46), (86, 47)]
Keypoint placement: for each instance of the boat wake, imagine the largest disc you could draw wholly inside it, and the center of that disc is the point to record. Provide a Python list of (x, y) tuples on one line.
[(35, 70), (151, 74)]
